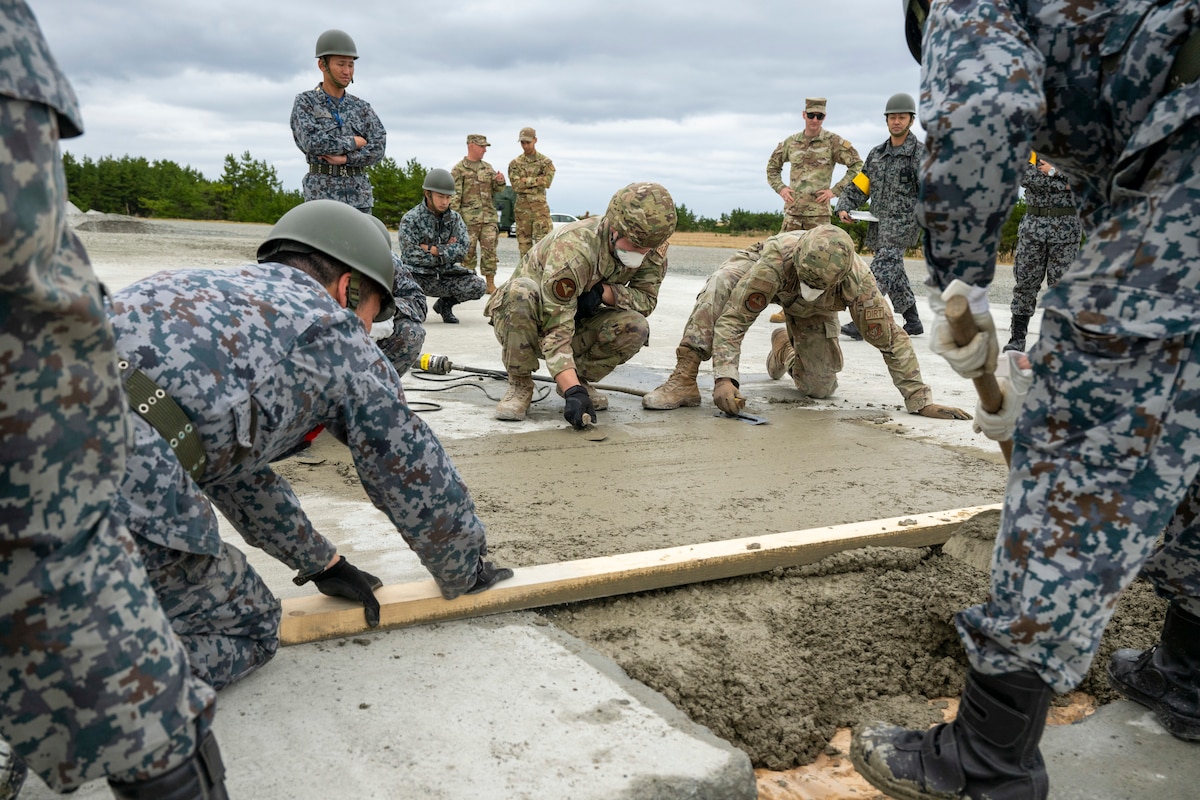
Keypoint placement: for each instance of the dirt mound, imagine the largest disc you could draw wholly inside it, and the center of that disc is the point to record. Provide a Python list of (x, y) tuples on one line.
[(115, 223)]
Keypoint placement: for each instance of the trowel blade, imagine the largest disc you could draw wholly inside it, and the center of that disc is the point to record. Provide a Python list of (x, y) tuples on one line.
[(753, 419)]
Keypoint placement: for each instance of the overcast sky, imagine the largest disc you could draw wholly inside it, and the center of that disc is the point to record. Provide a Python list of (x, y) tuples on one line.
[(694, 94)]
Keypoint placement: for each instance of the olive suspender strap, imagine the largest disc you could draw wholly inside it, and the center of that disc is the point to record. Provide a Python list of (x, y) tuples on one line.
[(158, 408)]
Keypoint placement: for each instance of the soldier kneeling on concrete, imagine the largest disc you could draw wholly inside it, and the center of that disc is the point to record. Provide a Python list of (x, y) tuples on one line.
[(580, 298), (433, 240), (813, 275), (229, 370)]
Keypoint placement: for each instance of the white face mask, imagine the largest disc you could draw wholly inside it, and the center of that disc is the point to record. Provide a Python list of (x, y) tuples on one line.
[(628, 258), (809, 293)]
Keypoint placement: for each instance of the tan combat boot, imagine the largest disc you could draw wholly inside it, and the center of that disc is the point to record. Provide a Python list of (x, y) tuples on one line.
[(491, 284), (680, 389), (778, 317), (517, 399), (781, 353)]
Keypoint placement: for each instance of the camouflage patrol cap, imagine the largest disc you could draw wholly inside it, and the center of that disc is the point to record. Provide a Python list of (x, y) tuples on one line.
[(479, 139), (824, 256), (341, 232), (527, 135), (642, 212), (815, 104), (336, 43)]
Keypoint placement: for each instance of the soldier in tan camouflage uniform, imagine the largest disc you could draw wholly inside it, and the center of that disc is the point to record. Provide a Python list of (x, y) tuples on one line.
[(580, 299), (812, 154), (530, 174), (813, 275), (477, 184)]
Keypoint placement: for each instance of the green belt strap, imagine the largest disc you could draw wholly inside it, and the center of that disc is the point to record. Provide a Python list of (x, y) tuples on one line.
[(1051, 211), (156, 407)]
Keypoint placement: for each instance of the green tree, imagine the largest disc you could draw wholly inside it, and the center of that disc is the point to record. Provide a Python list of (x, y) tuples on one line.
[(397, 189), (253, 191)]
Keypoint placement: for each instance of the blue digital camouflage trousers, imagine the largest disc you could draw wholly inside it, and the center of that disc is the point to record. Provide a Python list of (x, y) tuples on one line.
[(1037, 261), (92, 680), (888, 268), (1107, 448)]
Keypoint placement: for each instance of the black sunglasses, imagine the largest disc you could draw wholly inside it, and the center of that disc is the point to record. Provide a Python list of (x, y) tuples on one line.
[(814, 115)]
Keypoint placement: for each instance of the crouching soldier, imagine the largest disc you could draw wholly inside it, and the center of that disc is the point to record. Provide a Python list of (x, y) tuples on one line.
[(813, 275), (580, 298), (228, 370)]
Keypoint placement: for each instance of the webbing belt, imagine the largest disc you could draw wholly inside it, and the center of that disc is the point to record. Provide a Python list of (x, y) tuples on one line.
[(336, 170), (156, 407), (1051, 211)]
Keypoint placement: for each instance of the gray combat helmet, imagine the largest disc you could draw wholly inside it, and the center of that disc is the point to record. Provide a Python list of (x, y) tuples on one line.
[(343, 233), (642, 212), (440, 181), (336, 43), (900, 103)]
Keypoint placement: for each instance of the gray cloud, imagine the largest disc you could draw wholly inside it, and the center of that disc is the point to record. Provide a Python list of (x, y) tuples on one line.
[(695, 95)]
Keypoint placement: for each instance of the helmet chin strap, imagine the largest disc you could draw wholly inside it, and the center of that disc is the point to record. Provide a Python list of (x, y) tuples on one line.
[(329, 75)]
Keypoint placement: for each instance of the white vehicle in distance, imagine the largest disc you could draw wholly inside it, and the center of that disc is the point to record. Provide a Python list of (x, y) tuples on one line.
[(558, 220)]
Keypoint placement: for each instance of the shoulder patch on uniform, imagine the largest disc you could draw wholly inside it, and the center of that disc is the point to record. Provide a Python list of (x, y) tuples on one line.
[(564, 289), (756, 302)]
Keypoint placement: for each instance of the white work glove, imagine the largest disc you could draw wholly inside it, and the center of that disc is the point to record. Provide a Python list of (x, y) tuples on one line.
[(979, 356), (999, 426)]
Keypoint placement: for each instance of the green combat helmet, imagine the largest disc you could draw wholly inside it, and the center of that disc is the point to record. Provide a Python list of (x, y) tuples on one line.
[(900, 103), (642, 212), (343, 233), (823, 258), (440, 181), (336, 43)]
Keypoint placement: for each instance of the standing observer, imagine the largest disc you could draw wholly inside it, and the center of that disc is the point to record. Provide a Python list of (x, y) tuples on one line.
[(890, 179), (477, 185), (530, 174), (339, 133)]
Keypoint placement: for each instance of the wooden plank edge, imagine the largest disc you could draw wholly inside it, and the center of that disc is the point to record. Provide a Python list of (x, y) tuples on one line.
[(317, 617)]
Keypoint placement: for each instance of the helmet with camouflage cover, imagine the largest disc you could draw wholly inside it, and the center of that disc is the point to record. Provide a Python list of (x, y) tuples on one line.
[(823, 257), (900, 103), (336, 43), (642, 212), (340, 232), (440, 181)]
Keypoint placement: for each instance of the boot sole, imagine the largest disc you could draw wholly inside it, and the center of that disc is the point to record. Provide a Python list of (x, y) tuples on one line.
[(689, 403), (1182, 728)]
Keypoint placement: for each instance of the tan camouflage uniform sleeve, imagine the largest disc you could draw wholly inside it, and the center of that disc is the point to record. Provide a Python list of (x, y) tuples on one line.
[(753, 292), (569, 270), (775, 166), (873, 317)]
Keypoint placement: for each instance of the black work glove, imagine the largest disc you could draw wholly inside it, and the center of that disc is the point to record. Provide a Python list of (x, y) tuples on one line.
[(589, 302), (578, 404), (344, 579), (488, 576)]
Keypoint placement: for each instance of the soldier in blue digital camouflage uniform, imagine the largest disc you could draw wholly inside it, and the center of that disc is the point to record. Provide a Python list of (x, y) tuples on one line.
[(889, 179), (1106, 444), (93, 682), (433, 241), (403, 345), (289, 339), (339, 133), (1047, 241)]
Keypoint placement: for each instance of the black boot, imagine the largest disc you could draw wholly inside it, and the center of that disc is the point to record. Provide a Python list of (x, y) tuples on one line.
[(990, 750), (851, 330), (1020, 327), (444, 306), (912, 322), (201, 777), (1165, 678)]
